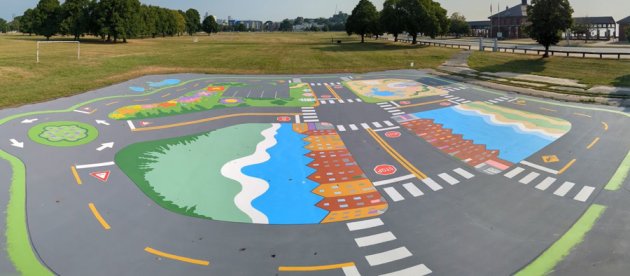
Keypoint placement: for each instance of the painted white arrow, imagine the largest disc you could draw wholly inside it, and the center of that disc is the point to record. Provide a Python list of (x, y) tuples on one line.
[(16, 144), (29, 121), (101, 122), (109, 145)]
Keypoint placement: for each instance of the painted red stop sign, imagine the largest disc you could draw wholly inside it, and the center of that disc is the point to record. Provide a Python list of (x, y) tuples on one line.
[(284, 119), (326, 96), (385, 169), (405, 102), (392, 134)]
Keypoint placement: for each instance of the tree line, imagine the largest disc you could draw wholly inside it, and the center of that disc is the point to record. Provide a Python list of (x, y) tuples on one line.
[(110, 20)]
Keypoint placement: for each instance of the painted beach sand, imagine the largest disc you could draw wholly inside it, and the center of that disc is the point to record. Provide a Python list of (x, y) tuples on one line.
[(488, 137), (255, 173), (392, 89)]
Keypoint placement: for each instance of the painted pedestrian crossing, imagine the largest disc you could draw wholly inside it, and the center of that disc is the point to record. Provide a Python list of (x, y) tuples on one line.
[(501, 99), (403, 187), (453, 88), (532, 174), (309, 115), (392, 108), (340, 101), (376, 126)]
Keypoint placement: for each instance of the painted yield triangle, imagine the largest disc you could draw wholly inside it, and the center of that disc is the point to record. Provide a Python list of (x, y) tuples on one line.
[(101, 176)]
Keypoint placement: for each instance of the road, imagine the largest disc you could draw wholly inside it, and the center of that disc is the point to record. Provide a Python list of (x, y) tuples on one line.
[(86, 216)]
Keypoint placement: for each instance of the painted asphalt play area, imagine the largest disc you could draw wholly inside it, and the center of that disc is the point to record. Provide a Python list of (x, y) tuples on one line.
[(386, 173)]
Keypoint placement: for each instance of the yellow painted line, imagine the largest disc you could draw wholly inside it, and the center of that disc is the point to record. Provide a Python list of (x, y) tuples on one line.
[(212, 119), (314, 95), (566, 167), (593, 143), (333, 92), (76, 175), (605, 126), (315, 268), (98, 217), (547, 109), (108, 104), (397, 156), (93, 111), (421, 104), (583, 115), (175, 257), (166, 95)]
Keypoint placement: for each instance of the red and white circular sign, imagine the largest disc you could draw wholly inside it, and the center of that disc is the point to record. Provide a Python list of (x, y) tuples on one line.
[(405, 102), (284, 119), (326, 96), (392, 134), (385, 169)]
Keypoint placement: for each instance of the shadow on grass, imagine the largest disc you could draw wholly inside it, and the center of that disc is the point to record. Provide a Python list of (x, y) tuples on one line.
[(622, 81), (526, 66), (368, 46)]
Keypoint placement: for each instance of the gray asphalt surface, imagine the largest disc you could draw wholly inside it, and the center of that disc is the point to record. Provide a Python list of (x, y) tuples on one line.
[(486, 225)]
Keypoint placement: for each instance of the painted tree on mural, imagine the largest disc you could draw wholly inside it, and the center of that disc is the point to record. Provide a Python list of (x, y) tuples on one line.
[(548, 19), (363, 20)]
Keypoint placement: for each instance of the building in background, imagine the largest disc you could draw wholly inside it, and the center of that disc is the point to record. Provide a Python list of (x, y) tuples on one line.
[(479, 28), (599, 27), (510, 22), (624, 24)]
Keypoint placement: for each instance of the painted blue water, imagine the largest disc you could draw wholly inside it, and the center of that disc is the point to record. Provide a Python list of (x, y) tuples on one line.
[(167, 82), (289, 199), (136, 89), (513, 144), (378, 92)]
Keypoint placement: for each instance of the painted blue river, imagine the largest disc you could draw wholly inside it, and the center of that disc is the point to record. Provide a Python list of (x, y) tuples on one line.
[(289, 199), (167, 82), (513, 144)]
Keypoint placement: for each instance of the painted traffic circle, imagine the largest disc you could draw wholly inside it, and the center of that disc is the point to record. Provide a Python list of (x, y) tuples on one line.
[(385, 169), (63, 134), (393, 134)]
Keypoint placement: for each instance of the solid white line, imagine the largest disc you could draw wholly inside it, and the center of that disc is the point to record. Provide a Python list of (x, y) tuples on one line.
[(390, 108), (584, 194), (89, 166), (297, 119), (393, 110), (350, 100), (514, 172), (350, 271), (466, 102), (377, 124), (331, 101), (341, 128), (432, 184), (322, 102), (375, 239), (412, 189), (365, 126), (456, 98), (388, 256), (131, 126), (393, 194), (364, 224), (354, 127), (545, 183), (449, 96), (539, 167), (307, 107), (393, 180), (381, 104), (394, 103), (386, 129), (359, 100), (388, 123), (311, 121), (448, 178), (341, 101), (453, 102), (310, 117), (418, 270), (83, 112), (399, 113), (493, 101), (461, 100), (464, 173), (528, 178), (564, 189)]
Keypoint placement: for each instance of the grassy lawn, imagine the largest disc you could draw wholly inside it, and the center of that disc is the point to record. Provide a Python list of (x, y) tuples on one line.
[(587, 71), (59, 74)]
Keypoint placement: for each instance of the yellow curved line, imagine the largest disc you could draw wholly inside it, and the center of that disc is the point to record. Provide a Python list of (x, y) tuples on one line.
[(397, 156), (98, 216), (315, 268), (211, 119), (176, 257), (605, 126), (333, 92)]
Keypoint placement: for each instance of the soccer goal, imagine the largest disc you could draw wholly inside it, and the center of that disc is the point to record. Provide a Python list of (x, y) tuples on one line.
[(50, 42)]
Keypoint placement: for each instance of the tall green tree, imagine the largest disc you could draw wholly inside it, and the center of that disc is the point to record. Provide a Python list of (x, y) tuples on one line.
[(392, 18), (75, 16), (458, 26), (286, 26), (180, 22), (4, 26), (440, 19), (363, 20), (15, 24), (149, 16), (27, 22), (193, 20), (210, 25), (548, 18), (46, 18), (418, 18), (119, 19)]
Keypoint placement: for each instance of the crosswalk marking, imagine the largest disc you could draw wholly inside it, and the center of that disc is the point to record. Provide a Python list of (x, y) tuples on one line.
[(386, 129), (464, 173), (388, 123), (432, 184), (418, 270), (322, 102), (375, 239), (341, 128), (311, 121), (353, 127), (564, 189), (331, 101), (307, 107), (376, 124), (381, 104), (359, 100), (388, 256), (492, 101), (584, 194), (412, 189), (365, 126), (531, 176), (341, 101), (393, 180), (350, 100), (399, 113), (391, 108), (545, 183), (394, 194), (310, 117), (448, 178), (514, 172), (364, 224)]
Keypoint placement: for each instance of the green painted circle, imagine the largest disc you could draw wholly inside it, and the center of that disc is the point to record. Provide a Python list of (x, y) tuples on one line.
[(63, 134)]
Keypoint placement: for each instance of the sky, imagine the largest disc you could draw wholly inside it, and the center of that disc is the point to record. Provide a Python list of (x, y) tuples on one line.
[(277, 10)]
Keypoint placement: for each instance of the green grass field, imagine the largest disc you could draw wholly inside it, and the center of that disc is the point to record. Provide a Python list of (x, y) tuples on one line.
[(60, 74), (587, 71)]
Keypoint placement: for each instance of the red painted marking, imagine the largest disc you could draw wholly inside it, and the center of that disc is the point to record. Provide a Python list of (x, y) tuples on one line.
[(405, 102), (385, 169), (284, 119), (143, 123), (101, 176), (392, 134), (326, 96), (445, 104)]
